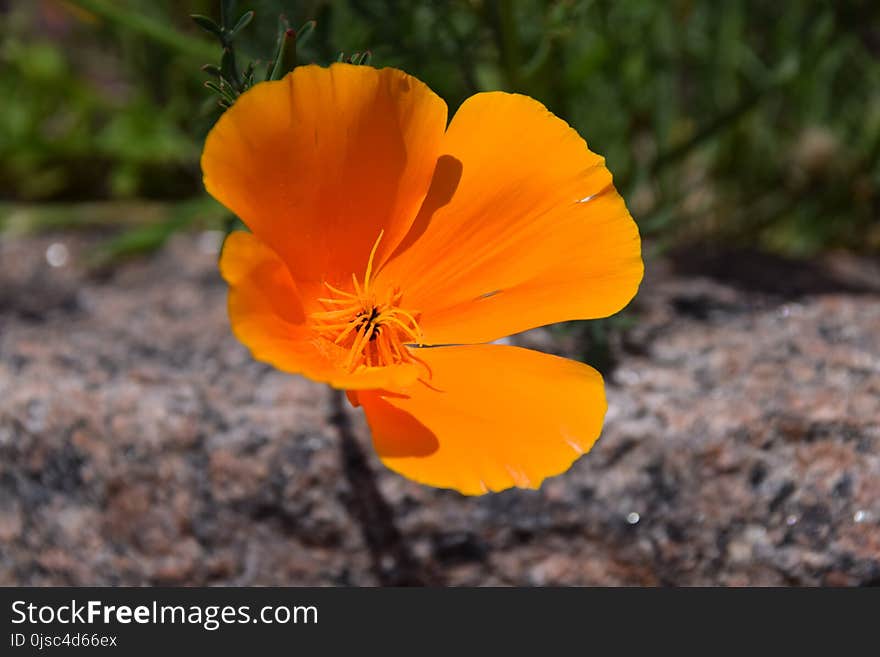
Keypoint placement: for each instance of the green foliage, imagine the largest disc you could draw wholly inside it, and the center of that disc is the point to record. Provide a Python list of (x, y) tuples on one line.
[(89, 115), (232, 82), (739, 121)]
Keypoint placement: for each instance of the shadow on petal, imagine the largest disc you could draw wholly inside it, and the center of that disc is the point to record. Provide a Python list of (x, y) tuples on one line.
[(447, 175), (397, 434)]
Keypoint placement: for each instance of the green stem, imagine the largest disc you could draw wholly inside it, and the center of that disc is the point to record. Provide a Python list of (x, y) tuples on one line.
[(154, 30), (286, 60), (504, 26), (714, 127)]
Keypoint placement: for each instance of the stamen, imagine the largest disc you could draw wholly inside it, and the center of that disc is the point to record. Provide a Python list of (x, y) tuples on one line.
[(340, 292), (369, 271), (406, 329), (374, 330), (332, 314), (348, 329), (384, 350), (418, 331), (356, 347), (393, 345)]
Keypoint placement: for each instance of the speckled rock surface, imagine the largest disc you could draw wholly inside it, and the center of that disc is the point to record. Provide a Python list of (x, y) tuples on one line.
[(140, 444)]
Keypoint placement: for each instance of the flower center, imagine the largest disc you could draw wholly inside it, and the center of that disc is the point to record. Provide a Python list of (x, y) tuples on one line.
[(375, 331)]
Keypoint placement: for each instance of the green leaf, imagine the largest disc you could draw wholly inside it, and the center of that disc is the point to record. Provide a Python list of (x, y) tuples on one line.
[(283, 26), (286, 60), (208, 25), (360, 58), (304, 32), (229, 69), (243, 22), (248, 77), (222, 89), (227, 7)]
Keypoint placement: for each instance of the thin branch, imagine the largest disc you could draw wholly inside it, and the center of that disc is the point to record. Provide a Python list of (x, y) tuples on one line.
[(393, 562)]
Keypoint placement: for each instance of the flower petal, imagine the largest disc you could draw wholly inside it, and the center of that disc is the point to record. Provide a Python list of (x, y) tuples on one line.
[(317, 164), (267, 316), (491, 417), (522, 228)]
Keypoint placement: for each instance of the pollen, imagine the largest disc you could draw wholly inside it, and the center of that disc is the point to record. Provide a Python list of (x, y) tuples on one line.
[(374, 330)]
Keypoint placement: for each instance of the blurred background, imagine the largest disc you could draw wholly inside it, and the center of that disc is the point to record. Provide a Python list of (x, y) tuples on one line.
[(742, 121), (745, 137)]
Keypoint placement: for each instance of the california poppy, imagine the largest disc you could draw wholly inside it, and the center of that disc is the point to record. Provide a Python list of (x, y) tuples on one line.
[(387, 251)]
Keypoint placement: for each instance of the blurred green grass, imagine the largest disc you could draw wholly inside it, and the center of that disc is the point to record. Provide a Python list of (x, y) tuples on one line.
[(739, 122)]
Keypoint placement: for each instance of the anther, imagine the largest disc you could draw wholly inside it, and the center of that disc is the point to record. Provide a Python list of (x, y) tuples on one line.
[(375, 331)]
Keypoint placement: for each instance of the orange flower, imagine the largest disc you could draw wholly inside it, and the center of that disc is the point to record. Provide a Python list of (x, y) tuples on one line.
[(387, 249)]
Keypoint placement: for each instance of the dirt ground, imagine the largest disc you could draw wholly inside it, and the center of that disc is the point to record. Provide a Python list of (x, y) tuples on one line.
[(140, 444)]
